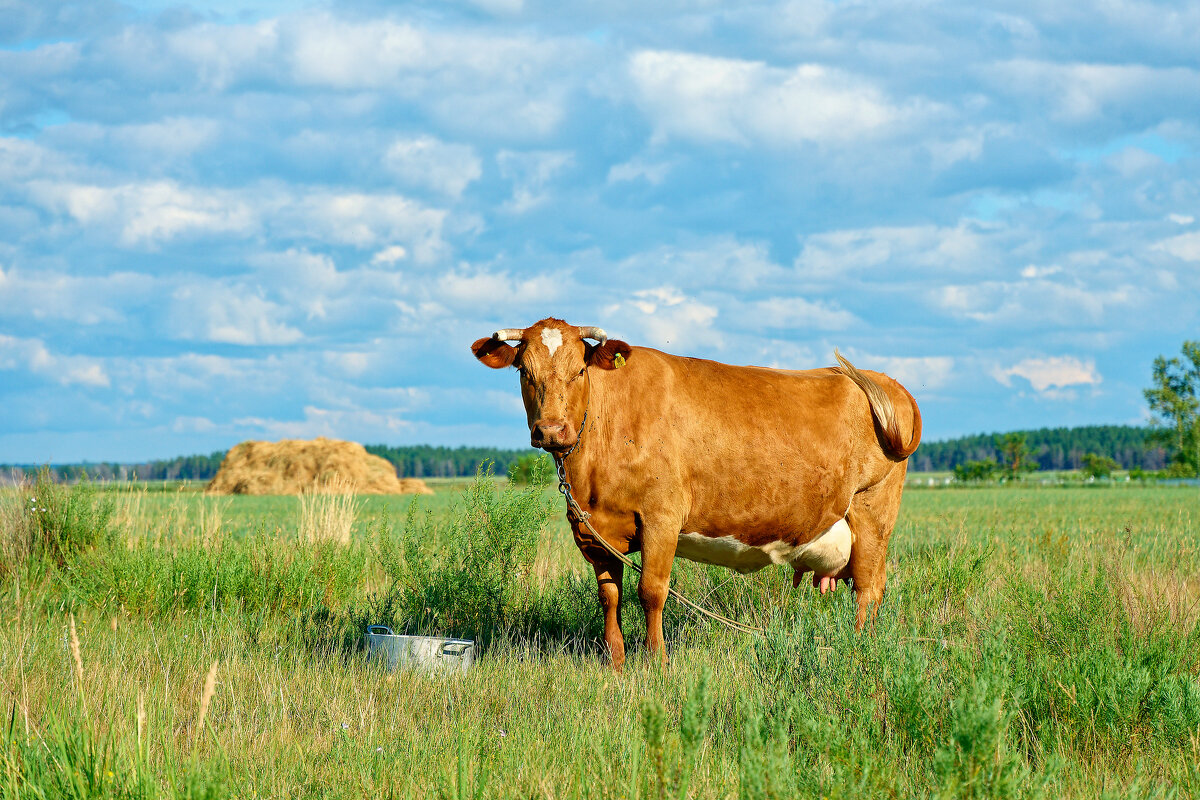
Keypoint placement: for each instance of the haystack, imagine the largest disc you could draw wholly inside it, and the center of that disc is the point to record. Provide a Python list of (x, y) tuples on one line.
[(293, 466)]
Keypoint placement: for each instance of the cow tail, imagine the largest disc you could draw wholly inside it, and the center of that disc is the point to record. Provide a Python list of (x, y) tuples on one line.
[(884, 412)]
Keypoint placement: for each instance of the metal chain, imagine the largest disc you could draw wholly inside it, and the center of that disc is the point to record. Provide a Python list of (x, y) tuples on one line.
[(583, 517)]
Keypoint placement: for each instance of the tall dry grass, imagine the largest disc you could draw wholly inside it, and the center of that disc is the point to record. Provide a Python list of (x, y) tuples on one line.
[(211, 520), (328, 512), (16, 528)]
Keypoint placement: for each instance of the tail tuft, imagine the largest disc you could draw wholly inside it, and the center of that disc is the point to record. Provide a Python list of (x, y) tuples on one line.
[(883, 411)]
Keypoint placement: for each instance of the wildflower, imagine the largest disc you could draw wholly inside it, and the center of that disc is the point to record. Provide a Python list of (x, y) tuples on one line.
[(345, 726), (378, 749)]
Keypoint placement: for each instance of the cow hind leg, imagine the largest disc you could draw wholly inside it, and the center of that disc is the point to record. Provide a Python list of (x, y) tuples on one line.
[(872, 516), (658, 554)]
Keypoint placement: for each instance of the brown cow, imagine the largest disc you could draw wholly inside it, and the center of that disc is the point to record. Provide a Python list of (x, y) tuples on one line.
[(737, 466)]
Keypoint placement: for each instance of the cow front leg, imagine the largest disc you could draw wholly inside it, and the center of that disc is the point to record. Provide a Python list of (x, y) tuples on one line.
[(609, 576), (617, 530), (658, 555)]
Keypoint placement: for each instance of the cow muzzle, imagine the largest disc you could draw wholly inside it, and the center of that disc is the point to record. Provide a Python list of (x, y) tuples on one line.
[(553, 436)]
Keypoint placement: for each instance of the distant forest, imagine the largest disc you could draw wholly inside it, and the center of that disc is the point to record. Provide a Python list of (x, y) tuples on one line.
[(1053, 449), (417, 461), (423, 461)]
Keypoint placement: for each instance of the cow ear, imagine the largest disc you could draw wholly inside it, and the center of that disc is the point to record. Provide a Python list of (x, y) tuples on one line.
[(494, 353), (611, 355)]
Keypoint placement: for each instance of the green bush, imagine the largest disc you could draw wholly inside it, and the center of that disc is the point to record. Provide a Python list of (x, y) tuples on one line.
[(532, 469), (471, 572), (53, 522), (1096, 466), (977, 471)]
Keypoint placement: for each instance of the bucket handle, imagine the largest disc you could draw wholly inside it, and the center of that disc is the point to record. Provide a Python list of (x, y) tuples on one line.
[(448, 648), (379, 630)]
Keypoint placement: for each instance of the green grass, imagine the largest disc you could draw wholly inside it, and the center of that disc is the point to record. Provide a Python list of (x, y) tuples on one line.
[(1035, 641)]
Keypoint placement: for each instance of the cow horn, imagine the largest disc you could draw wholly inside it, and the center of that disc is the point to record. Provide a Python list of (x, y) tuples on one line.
[(509, 335), (594, 333)]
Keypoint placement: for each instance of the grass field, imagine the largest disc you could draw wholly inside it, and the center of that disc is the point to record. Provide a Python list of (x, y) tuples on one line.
[(1033, 642)]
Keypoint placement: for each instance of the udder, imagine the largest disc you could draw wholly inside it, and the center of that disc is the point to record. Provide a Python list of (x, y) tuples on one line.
[(827, 554)]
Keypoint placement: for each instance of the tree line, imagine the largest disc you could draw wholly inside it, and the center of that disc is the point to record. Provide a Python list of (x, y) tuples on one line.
[(414, 461), (1131, 447), (1048, 449), (425, 461)]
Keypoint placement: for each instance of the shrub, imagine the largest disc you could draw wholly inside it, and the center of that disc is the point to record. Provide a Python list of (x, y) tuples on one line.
[(1096, 466), (976, 471), (50, 521), (528, 470), (470, 572)]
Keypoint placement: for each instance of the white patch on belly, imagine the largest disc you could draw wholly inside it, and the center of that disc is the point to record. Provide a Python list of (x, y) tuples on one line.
[(552, 338), (825, 555)]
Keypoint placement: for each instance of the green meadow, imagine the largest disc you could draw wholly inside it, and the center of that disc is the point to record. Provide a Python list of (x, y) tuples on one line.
[(1034, 642)]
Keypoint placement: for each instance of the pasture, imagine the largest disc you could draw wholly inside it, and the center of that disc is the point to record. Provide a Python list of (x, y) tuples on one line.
[(1034, 641)]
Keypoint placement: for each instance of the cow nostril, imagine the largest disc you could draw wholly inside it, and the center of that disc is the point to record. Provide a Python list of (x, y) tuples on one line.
[(549, 431)]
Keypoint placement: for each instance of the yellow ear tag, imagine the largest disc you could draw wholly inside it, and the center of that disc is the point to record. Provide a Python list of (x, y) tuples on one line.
[(618, 361)]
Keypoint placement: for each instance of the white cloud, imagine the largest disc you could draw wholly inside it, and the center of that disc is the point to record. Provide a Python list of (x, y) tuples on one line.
[(88, 300), (186, 424), (302, 279), (1040, 302), (149, 212), (664, 315), (531, 174), (652, 172), (1050, 373), (700, 97), (719, 263), (217, 56), (365, 220), (795, 313), (478, 288), (838, 253), (389, 255), (1034, 271), (328, 51), (34, 356), (171, 136), (230, 314), (434, 164), (916, 373), (1181, 219), (1185, 246), (336, 423), (1081, 92)]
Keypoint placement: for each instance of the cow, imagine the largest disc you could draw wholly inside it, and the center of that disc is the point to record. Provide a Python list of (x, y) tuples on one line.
[(732, 465)]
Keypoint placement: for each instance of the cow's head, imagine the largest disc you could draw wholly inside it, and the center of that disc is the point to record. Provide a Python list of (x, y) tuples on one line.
[(553, 360)]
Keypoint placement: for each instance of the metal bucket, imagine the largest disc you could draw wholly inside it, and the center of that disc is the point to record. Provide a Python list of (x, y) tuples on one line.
[(427, 653)]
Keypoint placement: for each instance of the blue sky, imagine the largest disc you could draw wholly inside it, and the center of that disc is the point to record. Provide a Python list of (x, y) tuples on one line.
[(264, 220)]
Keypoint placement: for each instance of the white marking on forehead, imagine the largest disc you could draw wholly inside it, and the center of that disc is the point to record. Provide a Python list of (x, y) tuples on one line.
[(552, 338)]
